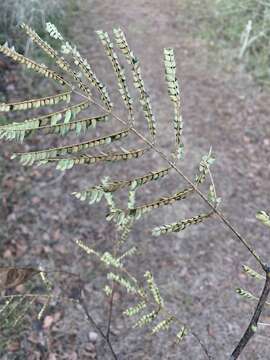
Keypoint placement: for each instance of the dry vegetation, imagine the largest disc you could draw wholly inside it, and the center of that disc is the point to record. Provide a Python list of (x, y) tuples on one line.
[(40, 219)]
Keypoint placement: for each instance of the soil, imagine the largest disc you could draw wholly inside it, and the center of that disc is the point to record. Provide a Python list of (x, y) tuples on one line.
[(197, 270)]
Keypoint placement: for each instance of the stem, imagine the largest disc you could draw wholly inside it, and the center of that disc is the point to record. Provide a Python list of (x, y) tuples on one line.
[(110, 313), (252, 327), (92, 321), (204, 348), (115, 248)]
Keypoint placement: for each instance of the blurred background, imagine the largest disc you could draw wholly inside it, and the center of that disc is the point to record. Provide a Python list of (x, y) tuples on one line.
[(222, 53)]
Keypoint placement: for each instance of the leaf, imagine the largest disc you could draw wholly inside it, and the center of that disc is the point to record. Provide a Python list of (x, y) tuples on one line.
[(181, 334), (87, 249), (11, 276), (163, 325), (110, 260), (32, 65), (107, 290), (252, 273), (134, 310), (146, 319), (212, 198), (245, 294), (263, 217), (36, 103), (112, 186), (45, 120), (153, 288), (67, 116), (63, 164), (119, 71), (52, 30), (41, 43), (180, 225), (163, 201), (138, 81), (129, 252), (174, 93), (206, 162), (30, 157), (49, 124), (78, 61), (130, 288), (43, 309)]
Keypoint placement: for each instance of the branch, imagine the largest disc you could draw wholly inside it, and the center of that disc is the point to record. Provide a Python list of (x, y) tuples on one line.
[(253, 324), (92, 321), (254, 321), (164, 157), (110, 313), (202, 345), (252, 327)]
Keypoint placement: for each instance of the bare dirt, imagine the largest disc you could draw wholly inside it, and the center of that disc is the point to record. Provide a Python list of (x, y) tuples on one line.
[(197, 270)]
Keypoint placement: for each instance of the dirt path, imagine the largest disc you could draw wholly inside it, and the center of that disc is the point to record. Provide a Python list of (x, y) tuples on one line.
[(197, 270)]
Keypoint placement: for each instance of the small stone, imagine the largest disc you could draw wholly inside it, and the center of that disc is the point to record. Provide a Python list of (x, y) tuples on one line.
[(266, 142), (93, 336)]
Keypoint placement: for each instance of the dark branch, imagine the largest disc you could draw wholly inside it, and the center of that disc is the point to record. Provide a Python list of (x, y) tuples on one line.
[(252, 327), (92, 321)]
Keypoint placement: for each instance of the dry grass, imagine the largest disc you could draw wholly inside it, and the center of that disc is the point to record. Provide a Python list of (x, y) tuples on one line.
[(32, 12)]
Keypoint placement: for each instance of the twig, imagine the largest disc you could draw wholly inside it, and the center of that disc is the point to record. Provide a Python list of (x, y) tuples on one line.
[(205, 350), (263, 324), (213, 183), (92, 321), (110, 313), (115, 249), (252, 327)]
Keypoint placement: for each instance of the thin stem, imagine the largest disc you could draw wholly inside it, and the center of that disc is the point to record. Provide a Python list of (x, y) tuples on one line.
[(92, 321), (213, 183), (204, 348), (110, 312), (252, 327), (115, 249), (13, 296)]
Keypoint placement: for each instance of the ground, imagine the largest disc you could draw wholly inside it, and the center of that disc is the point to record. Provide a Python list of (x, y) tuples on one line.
[(197, 270)]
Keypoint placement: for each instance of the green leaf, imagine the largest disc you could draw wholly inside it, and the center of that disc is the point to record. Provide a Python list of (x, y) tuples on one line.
[(263, 217), (68, 116), (181, 334)]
